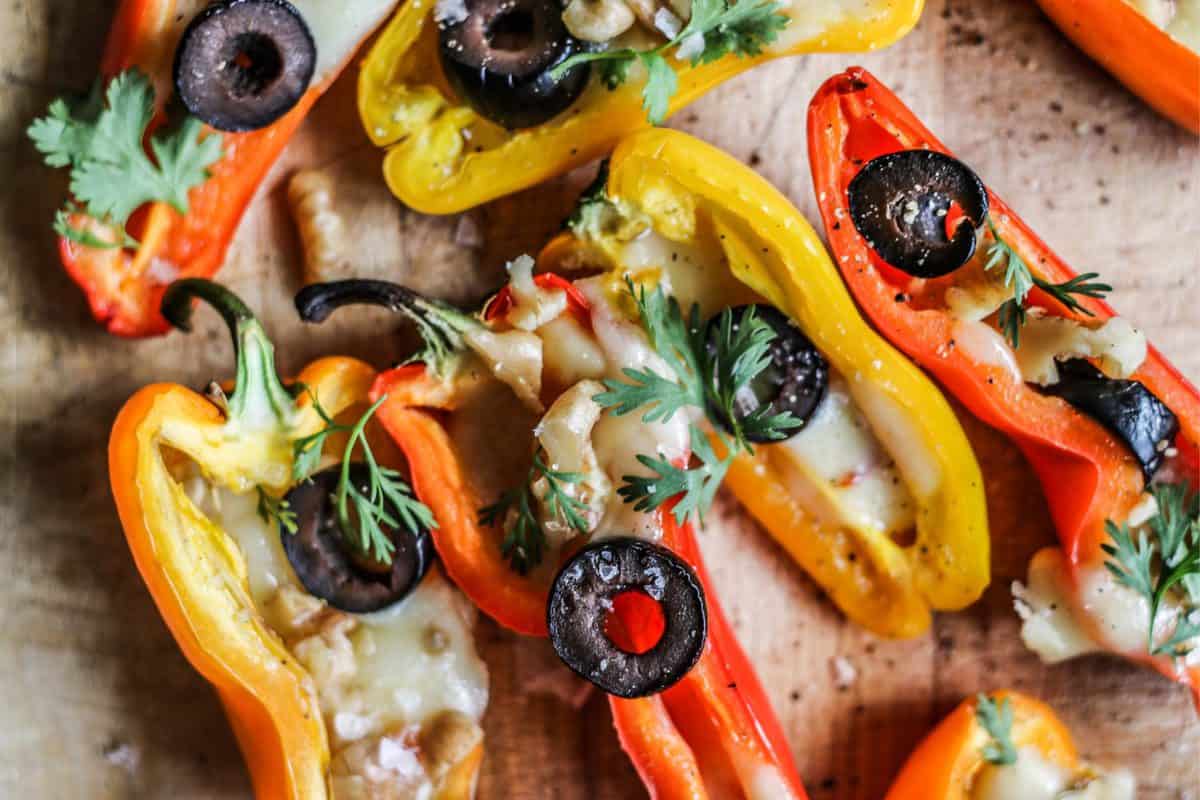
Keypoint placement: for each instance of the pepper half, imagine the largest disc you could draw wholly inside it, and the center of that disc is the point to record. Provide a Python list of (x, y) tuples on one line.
[(443, 157), (124, 285), (1150, 62), (695, 195), (198, 575), (712, 734), (1088, 475), (948, 763)]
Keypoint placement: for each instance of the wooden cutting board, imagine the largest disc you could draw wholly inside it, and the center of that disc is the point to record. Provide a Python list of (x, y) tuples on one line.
[(95, 699)]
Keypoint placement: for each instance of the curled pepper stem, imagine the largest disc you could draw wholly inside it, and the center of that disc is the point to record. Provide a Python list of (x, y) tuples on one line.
[(259, 398), (440, 324)]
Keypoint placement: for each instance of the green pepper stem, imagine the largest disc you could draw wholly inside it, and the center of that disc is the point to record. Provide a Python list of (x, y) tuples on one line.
[(440, 324), (259, 398)]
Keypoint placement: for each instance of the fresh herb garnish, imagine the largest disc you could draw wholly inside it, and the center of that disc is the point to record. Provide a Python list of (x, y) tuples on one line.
[(1021, 279), (524, 540), (1172, 550), (997, 720), (100, 140), (276, 510), (704, 378), (388, 500), (716, 28)]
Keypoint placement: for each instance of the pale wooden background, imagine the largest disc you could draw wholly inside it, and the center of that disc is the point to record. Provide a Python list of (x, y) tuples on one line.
[(95, 700)]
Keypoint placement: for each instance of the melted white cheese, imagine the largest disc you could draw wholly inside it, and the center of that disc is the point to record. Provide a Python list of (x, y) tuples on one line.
[(1118, 347), (565, 435), (1049, 627), (838, 448), (692, 271), (1033, 777), (337, 27), (379, 676)]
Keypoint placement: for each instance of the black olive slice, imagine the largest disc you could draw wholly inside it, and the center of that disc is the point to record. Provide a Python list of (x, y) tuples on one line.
[(330, 569), (581, 599), (795, 380), (1127, 408), (498, 57), (242, 64), (899, 204)]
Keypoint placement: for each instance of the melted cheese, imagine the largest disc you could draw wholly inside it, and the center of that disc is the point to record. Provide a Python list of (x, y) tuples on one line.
[(838, 451), (1118, 347), (565, 435), (695, 271), (1033, 777), (337, 27), (381, 678), (1049, 627)]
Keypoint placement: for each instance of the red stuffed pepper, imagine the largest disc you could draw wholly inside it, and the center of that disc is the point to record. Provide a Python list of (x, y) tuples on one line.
[(157, 192), (950, 275), (501, 419)]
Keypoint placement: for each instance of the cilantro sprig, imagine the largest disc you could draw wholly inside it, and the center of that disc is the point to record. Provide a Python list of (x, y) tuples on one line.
[(277, 510), (524, 540), (706, 378), (716, 28), (100, 140), (386, 500), (1021, 279), (1153, 563), (996, 718)]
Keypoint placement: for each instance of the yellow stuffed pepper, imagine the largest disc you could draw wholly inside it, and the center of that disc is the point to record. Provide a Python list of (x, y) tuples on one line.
[(477, 99), (294, 568), (871, 486)]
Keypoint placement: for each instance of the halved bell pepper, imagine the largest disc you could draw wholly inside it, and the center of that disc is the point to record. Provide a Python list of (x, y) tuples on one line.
[(711, 735), (1087, 474), (693, 194), (196, 572), (124, 285), (1155, 66), (443, 157), (948, 763)]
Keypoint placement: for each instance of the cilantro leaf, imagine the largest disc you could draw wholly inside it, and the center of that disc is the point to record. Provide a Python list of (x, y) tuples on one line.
[(101, 142), (1160, 559), (1021, 279), (694, 486), (997, 720), (524, 540), (661, 83), (277, 510)]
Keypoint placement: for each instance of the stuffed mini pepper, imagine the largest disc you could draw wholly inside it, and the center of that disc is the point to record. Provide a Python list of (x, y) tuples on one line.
[(1152, 46), (948, 273), (293, 564), (477, 99), (1004, 746), (194, 103)]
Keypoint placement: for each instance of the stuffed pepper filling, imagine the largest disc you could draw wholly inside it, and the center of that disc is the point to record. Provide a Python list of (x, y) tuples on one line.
[(1032, 776), (838, 459), (1138, 594), (1179, 18), (401, 689)]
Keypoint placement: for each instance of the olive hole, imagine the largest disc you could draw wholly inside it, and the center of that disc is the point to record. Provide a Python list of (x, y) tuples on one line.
[(636, 622), (253, 65), (511, 31)]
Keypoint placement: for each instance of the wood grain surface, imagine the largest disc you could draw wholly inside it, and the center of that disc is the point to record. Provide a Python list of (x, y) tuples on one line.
[(95, 699)]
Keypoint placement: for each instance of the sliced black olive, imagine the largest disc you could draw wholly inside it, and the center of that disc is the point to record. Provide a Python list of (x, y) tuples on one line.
[(899, 204), (330, 568), (498, 56), (1127, 408), (795, 380), (242, 64), (581, 600)]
